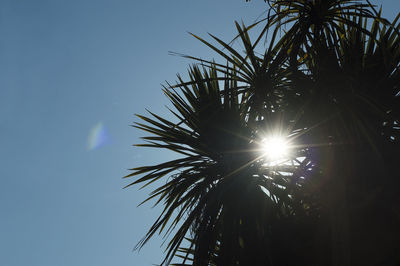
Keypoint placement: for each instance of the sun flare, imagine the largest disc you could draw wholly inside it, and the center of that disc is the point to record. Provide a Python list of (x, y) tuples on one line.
[(275, 148)]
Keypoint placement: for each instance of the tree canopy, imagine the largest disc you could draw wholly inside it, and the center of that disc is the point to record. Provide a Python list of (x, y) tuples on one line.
[(322, 76)]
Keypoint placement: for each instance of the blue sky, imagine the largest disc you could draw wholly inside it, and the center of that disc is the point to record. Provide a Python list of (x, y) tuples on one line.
[(73, 74)]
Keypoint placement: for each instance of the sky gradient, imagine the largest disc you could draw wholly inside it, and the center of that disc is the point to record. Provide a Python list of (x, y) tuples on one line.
[(73, 74)]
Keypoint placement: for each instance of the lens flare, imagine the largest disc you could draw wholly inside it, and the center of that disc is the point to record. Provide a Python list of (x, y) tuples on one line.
[(275, 148), (97, 137)]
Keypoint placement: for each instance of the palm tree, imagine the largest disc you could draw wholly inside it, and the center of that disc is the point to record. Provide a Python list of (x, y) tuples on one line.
[(328, 88)]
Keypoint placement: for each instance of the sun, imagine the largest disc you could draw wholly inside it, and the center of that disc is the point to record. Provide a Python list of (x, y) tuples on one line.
[(275, 148)]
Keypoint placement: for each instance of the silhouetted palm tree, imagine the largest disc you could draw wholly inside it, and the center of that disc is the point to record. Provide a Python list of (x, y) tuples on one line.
[(329, 87)]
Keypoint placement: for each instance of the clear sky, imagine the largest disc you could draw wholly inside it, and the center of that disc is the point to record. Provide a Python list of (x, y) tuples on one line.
[(72, 76)]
